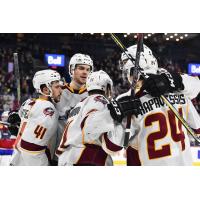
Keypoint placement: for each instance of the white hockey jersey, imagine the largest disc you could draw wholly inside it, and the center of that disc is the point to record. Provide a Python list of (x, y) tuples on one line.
[(89, 123), (192, 86), (39, 120), (69, 99), (161, 139)]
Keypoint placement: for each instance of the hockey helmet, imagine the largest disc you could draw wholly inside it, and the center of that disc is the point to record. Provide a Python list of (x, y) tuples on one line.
[(45, 77), (99, 80), (79, 59), (148, 63)]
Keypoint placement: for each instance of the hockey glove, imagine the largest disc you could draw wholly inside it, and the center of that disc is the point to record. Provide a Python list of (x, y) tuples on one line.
[(14, 120), (123, 107), (157, 85)]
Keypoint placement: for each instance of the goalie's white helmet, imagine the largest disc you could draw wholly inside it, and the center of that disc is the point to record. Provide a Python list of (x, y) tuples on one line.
[(99, 80), (79, 59), (45, 77), (148, 63)]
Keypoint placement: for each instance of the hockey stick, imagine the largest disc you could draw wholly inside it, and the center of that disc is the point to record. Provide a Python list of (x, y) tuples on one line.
[(135, 76), (173, 109), (17, 75)]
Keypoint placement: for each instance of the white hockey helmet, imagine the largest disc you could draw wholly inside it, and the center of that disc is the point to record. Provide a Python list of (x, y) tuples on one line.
[(45, 77), (4, 116), (79, 59), (99, 80), (148, 63)]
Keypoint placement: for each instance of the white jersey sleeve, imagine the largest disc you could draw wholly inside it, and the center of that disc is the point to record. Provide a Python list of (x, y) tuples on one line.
[(39, 121), (193, 118), (191, 86)]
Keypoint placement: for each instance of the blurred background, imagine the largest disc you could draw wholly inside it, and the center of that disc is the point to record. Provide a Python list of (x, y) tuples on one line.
[(174, 51)]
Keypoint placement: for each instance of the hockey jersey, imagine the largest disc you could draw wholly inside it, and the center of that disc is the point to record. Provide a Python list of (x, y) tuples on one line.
[(39, 120), (69, 99), (89, 123), (191, 86), (160, 138)]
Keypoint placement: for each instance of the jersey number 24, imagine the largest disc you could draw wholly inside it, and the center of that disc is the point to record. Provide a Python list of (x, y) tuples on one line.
[(175, 132)]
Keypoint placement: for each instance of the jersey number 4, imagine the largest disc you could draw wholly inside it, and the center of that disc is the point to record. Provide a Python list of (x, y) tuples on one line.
[(40, 131), (175, 129)]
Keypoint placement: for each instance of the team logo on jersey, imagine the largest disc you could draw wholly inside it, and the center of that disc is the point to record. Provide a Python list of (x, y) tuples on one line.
[(48, 111), (101, 99)]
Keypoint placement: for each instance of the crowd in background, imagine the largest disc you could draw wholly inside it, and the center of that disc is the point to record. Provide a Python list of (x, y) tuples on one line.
[(31, 58)]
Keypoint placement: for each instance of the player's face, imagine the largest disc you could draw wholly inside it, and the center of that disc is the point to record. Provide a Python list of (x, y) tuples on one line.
[(56, 91), (81, 73)]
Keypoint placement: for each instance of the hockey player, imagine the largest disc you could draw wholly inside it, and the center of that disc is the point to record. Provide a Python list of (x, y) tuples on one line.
[(159, 84), (80, 66), (160, 139), (89, 135), (39, 119)]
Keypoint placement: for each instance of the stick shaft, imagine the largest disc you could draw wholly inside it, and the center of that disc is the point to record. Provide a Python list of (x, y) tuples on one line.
[(17, 75), (172, 108)]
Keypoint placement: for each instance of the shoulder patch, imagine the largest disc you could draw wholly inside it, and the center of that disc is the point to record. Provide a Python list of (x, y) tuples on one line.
[(49, 111), (101, 99)]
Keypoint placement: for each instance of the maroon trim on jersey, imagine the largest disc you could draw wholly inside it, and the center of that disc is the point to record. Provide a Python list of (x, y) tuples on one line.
[(31, 146), (111, 146), (101, 99), (83, 99), (132, 157), (83, 124), (33, 101), (58, 152), (92, 155), (64, 137), (87, 115), (34, 147), (197, 131)]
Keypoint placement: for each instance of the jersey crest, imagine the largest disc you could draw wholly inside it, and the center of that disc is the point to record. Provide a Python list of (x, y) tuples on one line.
[(48, 111)]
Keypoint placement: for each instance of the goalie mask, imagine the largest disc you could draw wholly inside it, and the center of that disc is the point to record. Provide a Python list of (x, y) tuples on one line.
[(79, 59), (99, 80), (148, 63), (45, 77)]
